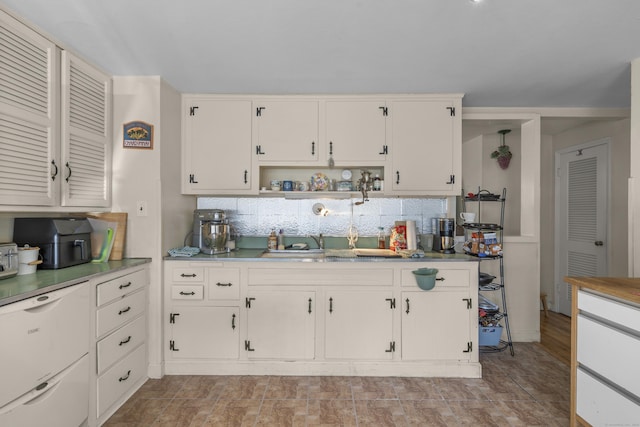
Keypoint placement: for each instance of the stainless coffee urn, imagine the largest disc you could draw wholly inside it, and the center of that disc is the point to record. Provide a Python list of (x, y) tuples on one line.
[(210, 231)]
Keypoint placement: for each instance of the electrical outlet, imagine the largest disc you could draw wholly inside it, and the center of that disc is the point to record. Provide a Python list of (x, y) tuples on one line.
[(141, 208)]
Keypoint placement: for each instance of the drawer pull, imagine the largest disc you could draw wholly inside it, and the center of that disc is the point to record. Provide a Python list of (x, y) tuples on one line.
[(188, 275), (124, 286), (124, 310), (126, 377), (123, 342), (187, 293), (223, 284), (440, 279)]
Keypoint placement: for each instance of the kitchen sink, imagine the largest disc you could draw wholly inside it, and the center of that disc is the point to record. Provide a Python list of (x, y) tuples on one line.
[(293, 253)]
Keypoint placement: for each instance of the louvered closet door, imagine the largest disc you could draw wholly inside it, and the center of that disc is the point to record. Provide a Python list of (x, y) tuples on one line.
[(28, 116), (582, 212), (86, 149)]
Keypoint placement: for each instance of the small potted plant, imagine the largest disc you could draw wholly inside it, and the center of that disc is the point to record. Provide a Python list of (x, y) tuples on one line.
[(502, 153)]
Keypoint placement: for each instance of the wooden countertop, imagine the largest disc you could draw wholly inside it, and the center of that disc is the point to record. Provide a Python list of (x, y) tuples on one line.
[(627, 288)]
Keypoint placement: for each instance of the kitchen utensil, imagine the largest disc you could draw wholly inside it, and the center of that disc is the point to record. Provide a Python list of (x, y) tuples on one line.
[(28, 260), (319, 182), (468, 217)]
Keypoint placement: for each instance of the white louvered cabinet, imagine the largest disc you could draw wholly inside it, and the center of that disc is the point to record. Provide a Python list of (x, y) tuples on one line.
[(86, 130), (29, 121), (55, 123)]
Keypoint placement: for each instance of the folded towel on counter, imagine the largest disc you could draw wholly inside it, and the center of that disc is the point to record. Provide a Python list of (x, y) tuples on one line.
[(187, 251), (411, 253)]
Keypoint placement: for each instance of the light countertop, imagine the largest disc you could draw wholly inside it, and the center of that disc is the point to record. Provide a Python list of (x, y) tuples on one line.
[(18, 288), (626, 288), (331, 255)]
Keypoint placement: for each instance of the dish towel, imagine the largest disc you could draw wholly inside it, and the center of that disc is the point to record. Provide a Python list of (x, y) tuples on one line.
[(187, 251)]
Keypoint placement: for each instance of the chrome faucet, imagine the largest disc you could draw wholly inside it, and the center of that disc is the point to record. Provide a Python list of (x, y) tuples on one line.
[(319, 240)]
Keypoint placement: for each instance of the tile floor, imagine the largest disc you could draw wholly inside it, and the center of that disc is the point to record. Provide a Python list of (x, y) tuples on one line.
[(530, 389)]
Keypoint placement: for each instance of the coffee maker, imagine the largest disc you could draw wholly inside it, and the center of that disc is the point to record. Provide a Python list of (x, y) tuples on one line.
[(444, 235), (210, 231)]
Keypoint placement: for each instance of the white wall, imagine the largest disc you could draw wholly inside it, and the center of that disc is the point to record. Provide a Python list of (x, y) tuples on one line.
[(151, 176), (634, 181), (618, 131)]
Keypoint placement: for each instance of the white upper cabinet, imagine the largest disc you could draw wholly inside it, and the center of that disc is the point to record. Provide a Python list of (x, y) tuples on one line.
[(55, 124), (427, 147), (29, 125), (356, 131), (232, 144), (287, 131), (86, 134), (216, 145)]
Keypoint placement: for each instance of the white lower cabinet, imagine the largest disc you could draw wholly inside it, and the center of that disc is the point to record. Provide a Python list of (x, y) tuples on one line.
[(606, 371), (359, 324), (202, 313), (280, 325), (204, 332), (119, 340), (331, 318), (61, 401), (435, 325)]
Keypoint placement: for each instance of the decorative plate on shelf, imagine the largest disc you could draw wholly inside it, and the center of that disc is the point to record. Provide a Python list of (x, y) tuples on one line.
[(319, 182), (346, 175)]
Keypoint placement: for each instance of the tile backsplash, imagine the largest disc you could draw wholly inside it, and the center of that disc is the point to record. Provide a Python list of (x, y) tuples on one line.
[(258, 216)]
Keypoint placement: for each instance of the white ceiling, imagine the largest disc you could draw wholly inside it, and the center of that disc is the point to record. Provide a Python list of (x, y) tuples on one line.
[(500, 53)]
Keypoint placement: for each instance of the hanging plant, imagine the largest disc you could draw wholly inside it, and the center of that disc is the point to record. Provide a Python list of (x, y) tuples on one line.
[(502, 153)]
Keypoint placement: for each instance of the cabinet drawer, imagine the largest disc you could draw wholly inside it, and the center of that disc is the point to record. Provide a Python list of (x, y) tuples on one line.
[(618, 312), (337, 275), (122, 341), (224, 283), (40, 336), (188, 292), (63, 402), (117, 288), (445, 278), (601, 405), (119, 312), (120, 378), (609, 352), (188, 274)]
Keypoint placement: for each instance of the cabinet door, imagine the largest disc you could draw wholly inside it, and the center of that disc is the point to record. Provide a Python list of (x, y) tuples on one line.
[(281, 325), (426, 147), (216, 146), (287, 131), (204, 333), (356, 131), (359, 325), (436, 325), (29, 121), (86, 134)]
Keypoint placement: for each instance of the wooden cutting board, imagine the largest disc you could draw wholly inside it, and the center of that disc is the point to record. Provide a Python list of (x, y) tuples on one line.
[(119, 218)]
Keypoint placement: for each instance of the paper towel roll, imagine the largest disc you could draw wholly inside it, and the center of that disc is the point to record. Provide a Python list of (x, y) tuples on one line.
[(412, 241)]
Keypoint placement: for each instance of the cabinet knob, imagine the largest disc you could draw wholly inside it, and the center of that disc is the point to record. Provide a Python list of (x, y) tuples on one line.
[(599, 243)]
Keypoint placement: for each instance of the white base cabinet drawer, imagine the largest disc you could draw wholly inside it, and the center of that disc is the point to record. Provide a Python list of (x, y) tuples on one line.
[(41, 336), (63, 402), (119, 312), (224, 284), (187, 292), (120, 342), (120, 378), (118, 287), (600, 405), (609, 352)]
